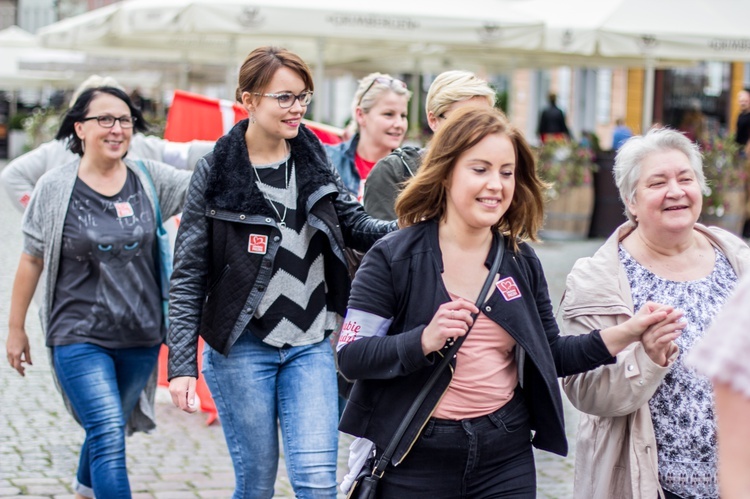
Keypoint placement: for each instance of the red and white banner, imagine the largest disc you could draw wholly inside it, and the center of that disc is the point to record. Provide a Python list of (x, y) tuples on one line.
[(196, 117)]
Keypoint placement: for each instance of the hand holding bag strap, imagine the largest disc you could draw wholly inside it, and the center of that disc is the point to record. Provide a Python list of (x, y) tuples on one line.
[(488, 283)]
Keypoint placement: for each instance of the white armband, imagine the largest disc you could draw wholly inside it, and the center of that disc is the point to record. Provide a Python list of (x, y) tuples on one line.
[(358, 324)]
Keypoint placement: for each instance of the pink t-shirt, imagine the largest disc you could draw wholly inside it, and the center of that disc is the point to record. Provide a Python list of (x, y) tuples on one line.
[(485, 375)]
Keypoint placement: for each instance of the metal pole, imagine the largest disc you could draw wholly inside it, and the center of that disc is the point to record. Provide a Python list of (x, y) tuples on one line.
[(648, 95), (320, 72)]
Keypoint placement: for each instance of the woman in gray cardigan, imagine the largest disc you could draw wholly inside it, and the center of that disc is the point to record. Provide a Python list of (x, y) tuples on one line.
[(90, 228)]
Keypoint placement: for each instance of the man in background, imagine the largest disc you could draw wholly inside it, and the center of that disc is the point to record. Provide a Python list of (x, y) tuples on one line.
[(552, 121)]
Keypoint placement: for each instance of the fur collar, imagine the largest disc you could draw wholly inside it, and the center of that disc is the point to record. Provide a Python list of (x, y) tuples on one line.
[(232, 185)]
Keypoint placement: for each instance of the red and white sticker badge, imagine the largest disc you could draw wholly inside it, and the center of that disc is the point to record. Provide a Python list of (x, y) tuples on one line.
[(258, 244), (124, 209), (508, 288)]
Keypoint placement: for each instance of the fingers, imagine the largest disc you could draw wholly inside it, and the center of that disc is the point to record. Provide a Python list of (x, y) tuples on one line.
[(182, 390), (452, 320), (18, 355)]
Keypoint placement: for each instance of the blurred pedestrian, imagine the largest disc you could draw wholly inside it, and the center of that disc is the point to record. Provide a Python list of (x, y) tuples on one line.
[(742, 137), (414, 295), (21, 174), (721, 357), (260, 274), (620, 134), (379, 112), (90, 229), (552, 121), (648, 428), (451, 90)]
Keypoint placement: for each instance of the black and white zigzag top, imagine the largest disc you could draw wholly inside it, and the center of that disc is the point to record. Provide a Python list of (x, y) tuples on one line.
[(293, 310)]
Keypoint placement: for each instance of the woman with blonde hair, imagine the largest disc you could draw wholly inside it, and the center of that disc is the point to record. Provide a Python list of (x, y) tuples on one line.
[(476, 194), (379, 112), (450, 91)]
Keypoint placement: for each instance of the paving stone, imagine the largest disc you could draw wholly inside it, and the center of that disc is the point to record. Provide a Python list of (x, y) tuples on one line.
[(9, 491)]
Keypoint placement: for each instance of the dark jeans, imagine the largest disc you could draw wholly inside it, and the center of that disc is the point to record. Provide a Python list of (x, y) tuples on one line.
[(484, 457)]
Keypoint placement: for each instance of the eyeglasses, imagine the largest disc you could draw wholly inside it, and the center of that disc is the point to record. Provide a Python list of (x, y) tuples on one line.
[(286, 99), (383, 80), (107, 121)]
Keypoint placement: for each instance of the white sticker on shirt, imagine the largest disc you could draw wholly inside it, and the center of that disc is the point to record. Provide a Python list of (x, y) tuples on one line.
[(359, 324)]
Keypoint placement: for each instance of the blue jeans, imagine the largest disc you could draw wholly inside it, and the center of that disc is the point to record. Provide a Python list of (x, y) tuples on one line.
[(103, 386), (258, 388), (485, 457)]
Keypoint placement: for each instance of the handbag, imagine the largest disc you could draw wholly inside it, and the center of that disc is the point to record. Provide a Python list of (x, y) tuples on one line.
[(165, 248), (366, 483)]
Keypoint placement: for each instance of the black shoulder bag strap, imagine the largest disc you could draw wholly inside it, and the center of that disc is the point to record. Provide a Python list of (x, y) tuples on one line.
[(379, 469)]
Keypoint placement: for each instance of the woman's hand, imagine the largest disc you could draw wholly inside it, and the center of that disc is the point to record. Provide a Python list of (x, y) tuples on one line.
[(658, 339), (661, 322), (182, 389), (451, 321), (18, 349)]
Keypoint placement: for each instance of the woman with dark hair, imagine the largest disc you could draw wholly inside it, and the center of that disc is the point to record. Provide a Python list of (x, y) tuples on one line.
[(414, 294), (90, 225), (261, 275)]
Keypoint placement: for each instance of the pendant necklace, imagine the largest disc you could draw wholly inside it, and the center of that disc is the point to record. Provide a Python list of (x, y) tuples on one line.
[(281, 217)]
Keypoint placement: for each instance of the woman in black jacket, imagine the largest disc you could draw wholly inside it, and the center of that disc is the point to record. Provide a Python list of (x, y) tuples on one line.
[(261, 274), (414, 294)]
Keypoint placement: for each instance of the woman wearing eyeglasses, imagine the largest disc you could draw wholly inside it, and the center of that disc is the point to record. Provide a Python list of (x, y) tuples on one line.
[(449, 92), (260, 274), (90, 226), (379, 111)]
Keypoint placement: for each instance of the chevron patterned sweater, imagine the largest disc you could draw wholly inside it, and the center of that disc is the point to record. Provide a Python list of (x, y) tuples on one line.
[(293, 310)]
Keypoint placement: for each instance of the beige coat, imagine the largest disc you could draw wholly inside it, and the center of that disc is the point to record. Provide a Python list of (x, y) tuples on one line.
[(616, 446)]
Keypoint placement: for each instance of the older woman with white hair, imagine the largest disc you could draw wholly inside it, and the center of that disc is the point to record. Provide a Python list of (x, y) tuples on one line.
[(450, 91), (648, 428), (379, 112)]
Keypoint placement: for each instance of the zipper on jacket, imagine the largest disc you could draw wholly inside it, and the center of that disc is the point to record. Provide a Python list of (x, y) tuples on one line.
[(427, 420), (223, 274)]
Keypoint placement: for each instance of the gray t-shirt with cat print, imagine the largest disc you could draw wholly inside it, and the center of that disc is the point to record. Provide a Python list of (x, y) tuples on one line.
[(107, 290)]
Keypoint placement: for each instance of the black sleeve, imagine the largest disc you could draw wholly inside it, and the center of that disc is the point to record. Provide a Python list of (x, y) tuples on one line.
[(572, 354), (373, 356)]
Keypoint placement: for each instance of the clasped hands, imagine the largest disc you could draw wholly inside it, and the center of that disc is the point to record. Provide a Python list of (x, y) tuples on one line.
[(657, 326)]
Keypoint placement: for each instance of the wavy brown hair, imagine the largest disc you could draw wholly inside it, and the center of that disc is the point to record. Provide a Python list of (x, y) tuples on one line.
[(424, 197)]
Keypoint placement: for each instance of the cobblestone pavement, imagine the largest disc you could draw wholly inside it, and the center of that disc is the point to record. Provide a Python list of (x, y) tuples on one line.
[(39, 441)]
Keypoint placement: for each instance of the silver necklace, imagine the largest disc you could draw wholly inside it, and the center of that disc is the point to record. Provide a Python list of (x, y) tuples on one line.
[(282, 218)]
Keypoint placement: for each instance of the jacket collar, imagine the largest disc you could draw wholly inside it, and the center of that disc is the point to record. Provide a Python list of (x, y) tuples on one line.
[(232, 186), (433, 238)]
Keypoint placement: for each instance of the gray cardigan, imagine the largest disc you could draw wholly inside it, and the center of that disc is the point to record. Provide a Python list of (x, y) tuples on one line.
[(43, 225)]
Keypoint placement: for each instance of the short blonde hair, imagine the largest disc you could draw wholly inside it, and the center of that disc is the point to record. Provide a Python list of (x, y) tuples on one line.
[(369, 92), (456, 86), (94, 81)]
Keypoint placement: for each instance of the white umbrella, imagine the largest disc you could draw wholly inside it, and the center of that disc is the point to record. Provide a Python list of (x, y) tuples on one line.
[(16, 45), (388, 35), (653, 32)]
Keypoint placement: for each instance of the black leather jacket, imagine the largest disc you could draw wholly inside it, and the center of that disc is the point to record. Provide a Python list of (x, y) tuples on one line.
[(217, 283), (400, 278)]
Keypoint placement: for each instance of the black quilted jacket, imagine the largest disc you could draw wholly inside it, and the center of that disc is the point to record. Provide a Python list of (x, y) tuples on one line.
[(217, 283)]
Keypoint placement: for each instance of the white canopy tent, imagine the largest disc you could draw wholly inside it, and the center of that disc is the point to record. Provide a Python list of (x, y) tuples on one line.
[(17, 44), (389, 35), (657, 33)]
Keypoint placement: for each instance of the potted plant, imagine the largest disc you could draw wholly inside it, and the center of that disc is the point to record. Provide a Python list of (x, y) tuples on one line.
[(724, 205), (567, 167)]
